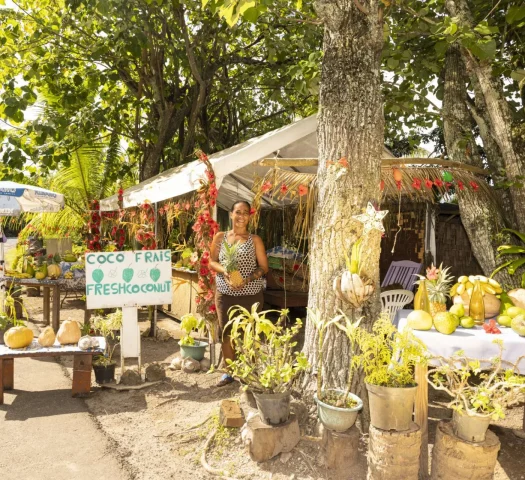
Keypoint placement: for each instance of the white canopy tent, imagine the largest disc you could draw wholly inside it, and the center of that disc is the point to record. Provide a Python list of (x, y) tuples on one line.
[(235, 167)]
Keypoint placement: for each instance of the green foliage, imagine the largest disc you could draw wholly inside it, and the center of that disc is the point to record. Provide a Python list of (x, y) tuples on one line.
[(266, 360), (479, 387), (107, 325), (190, 323), (517, 253), (386, 355)]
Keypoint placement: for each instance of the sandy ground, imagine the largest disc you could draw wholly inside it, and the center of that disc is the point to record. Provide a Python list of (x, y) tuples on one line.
[(143, 434)]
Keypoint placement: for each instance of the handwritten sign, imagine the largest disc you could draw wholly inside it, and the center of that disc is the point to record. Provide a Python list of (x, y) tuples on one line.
[(128, 279)]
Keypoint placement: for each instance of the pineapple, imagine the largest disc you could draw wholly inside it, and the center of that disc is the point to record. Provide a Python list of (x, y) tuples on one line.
[(438, 287), (231, 264)]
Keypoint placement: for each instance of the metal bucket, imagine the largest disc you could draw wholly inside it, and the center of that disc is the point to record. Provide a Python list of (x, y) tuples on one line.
[(274, 408), (337, 418), (391, 408), (471, 428)]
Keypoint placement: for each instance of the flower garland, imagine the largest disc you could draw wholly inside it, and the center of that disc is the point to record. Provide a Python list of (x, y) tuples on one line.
[(205, 228)]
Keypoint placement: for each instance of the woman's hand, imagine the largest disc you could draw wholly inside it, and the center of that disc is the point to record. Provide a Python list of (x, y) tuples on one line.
[(226, 276)]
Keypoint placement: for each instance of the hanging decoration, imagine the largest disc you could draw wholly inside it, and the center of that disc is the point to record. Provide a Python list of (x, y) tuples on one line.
[(447, 176), (398, 177), (416, 183), (429, 183), (372, 219)]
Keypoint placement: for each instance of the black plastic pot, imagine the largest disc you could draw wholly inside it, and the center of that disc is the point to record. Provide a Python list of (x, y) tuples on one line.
[(274, 408), (104, 373)]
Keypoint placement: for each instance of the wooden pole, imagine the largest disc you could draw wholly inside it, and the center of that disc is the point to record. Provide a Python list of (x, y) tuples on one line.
[(421, 417)]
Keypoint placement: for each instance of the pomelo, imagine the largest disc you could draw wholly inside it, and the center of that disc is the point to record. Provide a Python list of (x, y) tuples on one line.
[(419, 320), (518, 325), (445, 322), (467, 322)]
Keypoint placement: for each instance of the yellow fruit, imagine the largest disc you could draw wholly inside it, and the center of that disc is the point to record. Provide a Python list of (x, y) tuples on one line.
[(54, 271), (482, 279), (236, 278), (445, 323), (454, 289), (461, 289), (68, 333), (47, 337), (40, 275), (494, 283), (18, 337), (436, 307), (467, 322), (458, 309), (514, 311), (463, 279), (419, 320), (504, 320), (491, 302), (488, 288)]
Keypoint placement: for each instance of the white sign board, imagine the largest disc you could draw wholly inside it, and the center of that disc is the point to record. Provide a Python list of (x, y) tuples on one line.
[(128, 279)]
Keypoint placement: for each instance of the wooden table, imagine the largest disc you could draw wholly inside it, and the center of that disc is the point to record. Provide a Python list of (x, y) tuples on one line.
[(81, 364), (50, 288), (475, 343)]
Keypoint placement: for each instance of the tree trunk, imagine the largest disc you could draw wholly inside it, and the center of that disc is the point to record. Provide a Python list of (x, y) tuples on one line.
[(499, 112), (350, 125), (480, 214)]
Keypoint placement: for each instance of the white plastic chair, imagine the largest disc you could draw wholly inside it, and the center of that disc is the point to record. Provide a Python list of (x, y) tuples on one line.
[(395, 300), (402, 273)]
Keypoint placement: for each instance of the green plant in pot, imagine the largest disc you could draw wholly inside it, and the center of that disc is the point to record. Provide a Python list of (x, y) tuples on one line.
[(481, 390), (189, 347), (106, 326), (388, 357), (336, 408), (266, 362)]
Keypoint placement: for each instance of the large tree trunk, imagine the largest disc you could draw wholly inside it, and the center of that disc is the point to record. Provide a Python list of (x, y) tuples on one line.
[(350, 125), (499, 112), (480, 214)]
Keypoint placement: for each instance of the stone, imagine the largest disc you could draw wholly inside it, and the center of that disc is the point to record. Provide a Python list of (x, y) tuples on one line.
[(155, 372), (205, 364), (301, 411), (341, 450), (230, 414), (130, 377), (285, 457), (176, 363), (455, 458), (189, 365), (264, 441), (163, 335), (394, 455)]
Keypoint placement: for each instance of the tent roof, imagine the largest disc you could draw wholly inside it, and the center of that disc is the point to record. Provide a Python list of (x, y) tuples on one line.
[(234, 167)]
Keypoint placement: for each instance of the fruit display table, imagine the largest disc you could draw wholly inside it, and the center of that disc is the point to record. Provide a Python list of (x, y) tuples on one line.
[(49, 286), (81, 363), (475, 342)]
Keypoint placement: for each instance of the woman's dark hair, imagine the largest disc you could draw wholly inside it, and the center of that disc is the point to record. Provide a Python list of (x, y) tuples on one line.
[(240, 201)]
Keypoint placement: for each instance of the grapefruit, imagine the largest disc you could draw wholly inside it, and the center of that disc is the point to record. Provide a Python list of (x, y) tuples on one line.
[(419, 320), (445, 322)]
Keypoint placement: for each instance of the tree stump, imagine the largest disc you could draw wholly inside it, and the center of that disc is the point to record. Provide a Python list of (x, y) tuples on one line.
[(341, 450), (461, 460), (266, 441), (394, 455)]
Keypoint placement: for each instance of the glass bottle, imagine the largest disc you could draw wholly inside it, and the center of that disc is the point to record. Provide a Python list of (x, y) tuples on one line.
[(421, 301), (476, 307)]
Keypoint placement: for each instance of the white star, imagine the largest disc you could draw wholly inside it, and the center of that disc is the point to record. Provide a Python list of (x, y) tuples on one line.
[(372, 219)]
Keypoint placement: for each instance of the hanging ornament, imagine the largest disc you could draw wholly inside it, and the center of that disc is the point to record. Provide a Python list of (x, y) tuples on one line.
[(302, 190), (398, 177), (448, 185), (447, 176), (284, 188), (266, 186), (474, 186), (438, 183), (382, 185), (429, 183), (372, 219), (461, 185), (417, 183)]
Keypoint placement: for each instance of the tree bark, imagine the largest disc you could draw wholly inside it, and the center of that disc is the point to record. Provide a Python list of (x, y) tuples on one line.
[(351, 125), (480, 214), (499, 112)]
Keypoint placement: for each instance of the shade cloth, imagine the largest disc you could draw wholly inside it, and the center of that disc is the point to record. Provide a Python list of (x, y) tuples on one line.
[(473, 341)]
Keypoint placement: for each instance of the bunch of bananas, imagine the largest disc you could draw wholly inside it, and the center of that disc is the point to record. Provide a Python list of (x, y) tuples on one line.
[(15, 274), (68, 275), (466, 284)]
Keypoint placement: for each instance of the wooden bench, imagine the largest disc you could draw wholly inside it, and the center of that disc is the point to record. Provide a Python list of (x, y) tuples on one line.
[(81, 364)]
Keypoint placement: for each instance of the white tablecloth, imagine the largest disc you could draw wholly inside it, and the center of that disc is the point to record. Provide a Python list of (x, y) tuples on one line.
[(474, 341)]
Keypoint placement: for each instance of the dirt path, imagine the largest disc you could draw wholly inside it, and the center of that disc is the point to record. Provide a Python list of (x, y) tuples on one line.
[(47, 434)]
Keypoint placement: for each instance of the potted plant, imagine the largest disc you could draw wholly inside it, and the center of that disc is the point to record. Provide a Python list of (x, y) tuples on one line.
[(106, 326), (266, 362), (189, 347), (475, 404), (387, 358), (336, 408)]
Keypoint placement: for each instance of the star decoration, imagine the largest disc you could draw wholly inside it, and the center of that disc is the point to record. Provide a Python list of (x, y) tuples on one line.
[(372, 219)]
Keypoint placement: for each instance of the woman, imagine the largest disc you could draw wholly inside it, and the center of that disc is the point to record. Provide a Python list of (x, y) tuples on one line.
[(252, 264)]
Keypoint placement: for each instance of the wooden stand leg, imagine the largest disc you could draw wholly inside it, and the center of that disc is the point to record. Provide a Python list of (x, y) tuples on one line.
[(341, 450), (46, 305), (453, 458), (56, 308), (421, 417), (394, 455), (81, 375), (8, 373)]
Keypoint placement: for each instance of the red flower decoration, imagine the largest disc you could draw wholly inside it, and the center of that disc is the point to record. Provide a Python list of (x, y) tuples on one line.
[(428, 183), (343, 162), (461, 185), (253, 211), (416, 183), (438, 183), (398, 185), (382, 185), (448, 185), (296, 267), (474, 186), (213, 308), (281, 279), (266, 187), (187, 206), (302, 190), (284, 189)]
